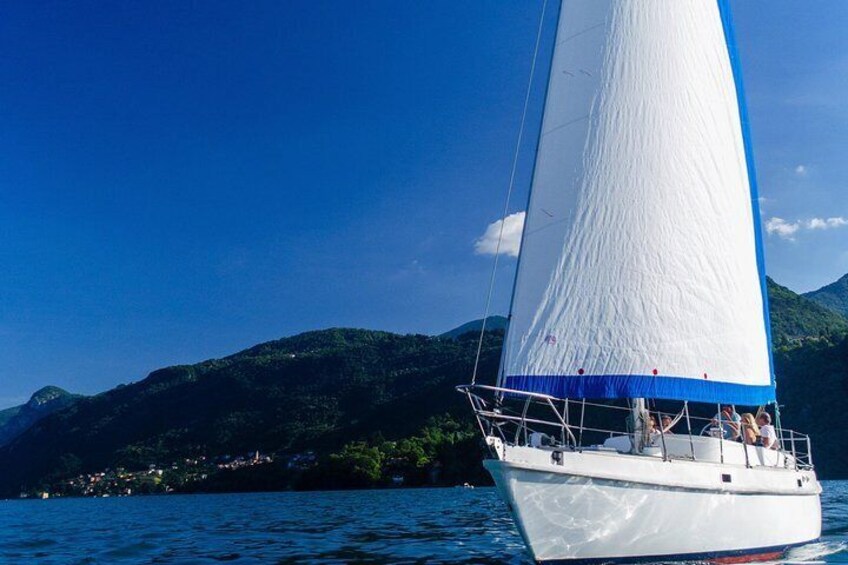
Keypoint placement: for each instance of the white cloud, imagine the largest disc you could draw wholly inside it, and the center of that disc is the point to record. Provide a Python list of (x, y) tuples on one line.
[(826, 223), (787, 230), (801, 170), (487, 244), (782, 228)]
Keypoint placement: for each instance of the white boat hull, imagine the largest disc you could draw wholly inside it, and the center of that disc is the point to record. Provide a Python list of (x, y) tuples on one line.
[(580, 511)]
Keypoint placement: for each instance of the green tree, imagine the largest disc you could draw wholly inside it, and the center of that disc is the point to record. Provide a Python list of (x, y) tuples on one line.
[(356, 465), (363, 464), (411, 453)]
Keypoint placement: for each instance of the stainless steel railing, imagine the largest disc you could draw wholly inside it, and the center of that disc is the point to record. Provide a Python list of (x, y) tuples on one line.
[(532, 419)]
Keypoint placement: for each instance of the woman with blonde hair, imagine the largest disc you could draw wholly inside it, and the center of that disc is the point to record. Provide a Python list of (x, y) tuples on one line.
[(750, 429)]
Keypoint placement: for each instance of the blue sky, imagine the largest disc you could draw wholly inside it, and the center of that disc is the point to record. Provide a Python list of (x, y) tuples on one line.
[(182, 180)]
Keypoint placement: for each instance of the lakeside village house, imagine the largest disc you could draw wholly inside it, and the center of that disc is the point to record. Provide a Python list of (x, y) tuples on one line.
[(158, 478)]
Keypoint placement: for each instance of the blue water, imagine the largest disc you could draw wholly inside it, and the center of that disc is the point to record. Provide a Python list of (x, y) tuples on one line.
[(392, 526)]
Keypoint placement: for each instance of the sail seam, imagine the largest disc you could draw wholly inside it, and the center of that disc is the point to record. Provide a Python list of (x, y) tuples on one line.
[(565, 125)]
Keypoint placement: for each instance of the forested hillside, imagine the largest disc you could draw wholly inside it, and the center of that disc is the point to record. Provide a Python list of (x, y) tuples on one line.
[(794, 317), (361, 408), (833, 296), (18, 419), (812, 386), (315, 391)]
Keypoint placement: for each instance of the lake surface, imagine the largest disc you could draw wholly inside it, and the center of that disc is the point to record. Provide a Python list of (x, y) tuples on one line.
[(390, 526)]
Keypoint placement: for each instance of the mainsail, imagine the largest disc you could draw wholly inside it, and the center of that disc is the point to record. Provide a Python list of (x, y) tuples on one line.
[(641, 270)]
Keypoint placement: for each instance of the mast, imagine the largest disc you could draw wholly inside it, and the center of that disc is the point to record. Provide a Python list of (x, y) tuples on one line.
[(638, 417)]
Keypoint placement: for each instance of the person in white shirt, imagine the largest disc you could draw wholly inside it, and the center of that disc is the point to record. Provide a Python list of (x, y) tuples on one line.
[(767, 433)]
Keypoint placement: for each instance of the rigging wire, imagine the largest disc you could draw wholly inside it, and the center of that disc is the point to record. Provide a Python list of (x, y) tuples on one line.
[(509, 192)]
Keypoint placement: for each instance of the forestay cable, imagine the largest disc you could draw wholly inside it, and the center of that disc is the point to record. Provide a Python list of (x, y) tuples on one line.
[(509, 192)]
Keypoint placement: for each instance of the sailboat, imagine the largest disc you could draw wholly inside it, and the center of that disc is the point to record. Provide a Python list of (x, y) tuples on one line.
[(640, 307)]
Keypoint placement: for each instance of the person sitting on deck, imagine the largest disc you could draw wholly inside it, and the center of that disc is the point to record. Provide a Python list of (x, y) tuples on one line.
[(653, 431), (750, 430), (768, 437), (666, 424), (729, 420)]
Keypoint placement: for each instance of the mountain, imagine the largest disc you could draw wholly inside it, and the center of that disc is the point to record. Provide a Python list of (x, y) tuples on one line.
[(811, 367), (314, 391), (8, 413), (363, 401), (16, 420), (794, 317), (833, 296), (492, 323), (812, 386)]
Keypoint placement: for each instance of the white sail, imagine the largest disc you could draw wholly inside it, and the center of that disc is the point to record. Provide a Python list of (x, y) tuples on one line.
[(640, 272)]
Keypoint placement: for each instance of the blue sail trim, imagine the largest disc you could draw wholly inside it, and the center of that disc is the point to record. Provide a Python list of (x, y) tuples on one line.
[(733, 53), (642, 386)]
